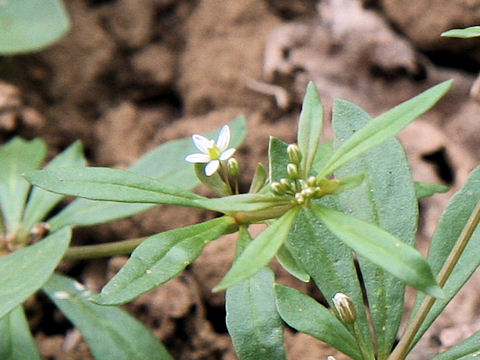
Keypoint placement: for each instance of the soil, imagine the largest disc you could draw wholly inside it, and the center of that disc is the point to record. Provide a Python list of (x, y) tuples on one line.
[(131, 75)]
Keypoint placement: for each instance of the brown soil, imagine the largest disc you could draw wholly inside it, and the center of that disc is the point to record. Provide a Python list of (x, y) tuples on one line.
[(133, 74)]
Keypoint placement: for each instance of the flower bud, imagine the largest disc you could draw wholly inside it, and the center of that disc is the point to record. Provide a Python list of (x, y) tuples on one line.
[(277, 188), (294, 154), (308, 192), (345, 308), (39, 231), (285, 183), (233, 168), (312, 181), (292, 171), (299, 198)]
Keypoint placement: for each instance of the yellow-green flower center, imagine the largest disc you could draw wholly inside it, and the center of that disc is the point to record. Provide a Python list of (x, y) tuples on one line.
[(214, 152)]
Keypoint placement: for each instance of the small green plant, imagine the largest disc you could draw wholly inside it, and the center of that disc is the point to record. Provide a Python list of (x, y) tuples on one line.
[(31, 25), (327, 207)]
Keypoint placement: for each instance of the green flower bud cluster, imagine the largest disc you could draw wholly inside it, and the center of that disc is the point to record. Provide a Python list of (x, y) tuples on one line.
[(302, 190)]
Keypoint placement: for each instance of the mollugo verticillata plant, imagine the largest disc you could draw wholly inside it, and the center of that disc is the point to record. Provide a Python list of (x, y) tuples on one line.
[(337, 212)]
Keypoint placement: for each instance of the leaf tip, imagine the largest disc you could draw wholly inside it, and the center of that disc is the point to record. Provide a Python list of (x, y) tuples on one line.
[(436, 291), (218, 288)]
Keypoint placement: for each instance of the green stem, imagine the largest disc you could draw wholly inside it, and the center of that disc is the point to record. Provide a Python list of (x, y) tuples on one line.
[(103, 250), (360, 344), (225, 176), (403, 347)]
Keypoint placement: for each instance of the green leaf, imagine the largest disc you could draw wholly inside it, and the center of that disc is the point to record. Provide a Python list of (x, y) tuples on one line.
[(278, 159), (386, 199), (26, 270), (310, 128), (107, 184), (448, 230), (259, 179), (288, 262), (252, 319), (466, 350), (306, 315), (381, 248), (40, 201), (160, 258), (424, 190), (31, 25), (243, 202), (16, 342), (349, 182), (110, 332), (165, 163), (330, 263), (384, 127), (324, 153), (259, 252), (83, 212), (466, 33), (214, 181), (18, 156)]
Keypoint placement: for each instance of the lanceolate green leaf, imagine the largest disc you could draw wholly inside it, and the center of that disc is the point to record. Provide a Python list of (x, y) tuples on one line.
[(83, 212), (467, 350), (448, 230), (278, 159), (40, 201), (330, 263), (214, 181), (381, 248), (259, 252), (252, 319), (384, 127), (243, 202), (161, 257), (98, 183), (466, 33), (16, 342), (26, 270), (110, 332), (423, 189), (324, 153), (288, 262), (165, 163), (306, 315), (386, 199), (17, 156), (31, 25), (259, 179), (310, 128)]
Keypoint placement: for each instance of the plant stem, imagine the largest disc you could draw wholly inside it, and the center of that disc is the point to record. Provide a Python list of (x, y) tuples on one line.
[(103, 250), (401, 350), (356, 334)]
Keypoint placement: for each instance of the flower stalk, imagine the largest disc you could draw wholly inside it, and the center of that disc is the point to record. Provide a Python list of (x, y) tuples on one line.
[(403, 347)]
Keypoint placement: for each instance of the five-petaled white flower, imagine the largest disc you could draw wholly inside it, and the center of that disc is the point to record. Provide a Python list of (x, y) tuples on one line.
[(212, 152)]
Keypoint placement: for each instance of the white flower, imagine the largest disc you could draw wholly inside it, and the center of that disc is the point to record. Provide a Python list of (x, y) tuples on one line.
[(212, 152)]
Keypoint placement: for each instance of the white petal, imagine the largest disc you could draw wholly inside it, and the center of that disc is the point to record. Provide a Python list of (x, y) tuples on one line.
[(202, 143), (212, 167), (223, 138), (227, 154), (197, 158)]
